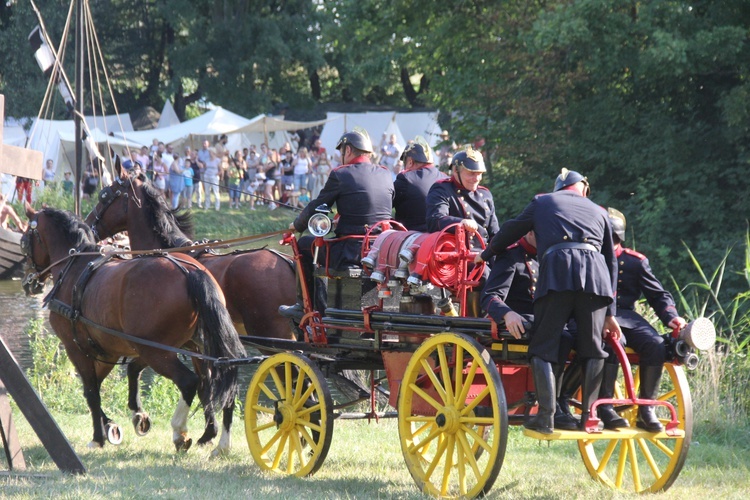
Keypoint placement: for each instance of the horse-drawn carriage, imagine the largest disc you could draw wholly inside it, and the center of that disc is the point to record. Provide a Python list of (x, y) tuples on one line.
[(456, 381), (405, 318)]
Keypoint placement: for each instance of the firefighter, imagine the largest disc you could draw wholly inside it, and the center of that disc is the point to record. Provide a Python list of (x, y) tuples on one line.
[(363, 195), (413, 183), (635, 279), (577, 278)]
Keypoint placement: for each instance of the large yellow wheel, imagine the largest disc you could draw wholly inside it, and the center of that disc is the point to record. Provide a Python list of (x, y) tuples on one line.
[(452, 416), (289, 415), (646, 462)]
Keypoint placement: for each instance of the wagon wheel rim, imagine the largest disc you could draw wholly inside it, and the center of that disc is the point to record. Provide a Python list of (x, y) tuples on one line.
[(645, 464), (289, 415), (455, 448)]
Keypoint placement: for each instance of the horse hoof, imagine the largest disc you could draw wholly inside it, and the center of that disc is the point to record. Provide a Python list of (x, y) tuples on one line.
[(183, 444), (95, 445), (114, 434), (141, 423)]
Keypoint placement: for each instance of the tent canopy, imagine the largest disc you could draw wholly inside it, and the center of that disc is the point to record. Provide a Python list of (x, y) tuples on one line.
[(380, 125)]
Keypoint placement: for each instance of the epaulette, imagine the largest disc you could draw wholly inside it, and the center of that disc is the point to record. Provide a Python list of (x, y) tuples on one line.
[(443, 181), (482, 187), (635, 254), (514, 245)]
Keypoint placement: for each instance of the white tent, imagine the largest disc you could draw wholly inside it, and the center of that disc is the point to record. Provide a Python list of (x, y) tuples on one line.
[(421, 123), (56, 138), (168, 116), (240, 131), (380, 125), (192, 132)]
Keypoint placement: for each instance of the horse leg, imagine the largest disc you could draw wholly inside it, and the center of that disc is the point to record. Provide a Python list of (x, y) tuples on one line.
[(204, 393), (141, 420), (187, 383), (225, 442)]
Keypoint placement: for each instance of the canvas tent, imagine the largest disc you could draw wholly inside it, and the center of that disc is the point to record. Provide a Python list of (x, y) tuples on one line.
[(380, 125), (55, 138), (240, 131), (168, 116)]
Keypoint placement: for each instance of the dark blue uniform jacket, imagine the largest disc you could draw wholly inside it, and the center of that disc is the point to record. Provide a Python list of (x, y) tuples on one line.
[(449, 203), (566, 217), (411, 196), (635, 277), (512, 282), (362, 193)]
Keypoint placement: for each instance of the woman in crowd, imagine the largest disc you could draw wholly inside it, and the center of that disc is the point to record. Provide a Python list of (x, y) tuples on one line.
[(271, 170), (159, 172)]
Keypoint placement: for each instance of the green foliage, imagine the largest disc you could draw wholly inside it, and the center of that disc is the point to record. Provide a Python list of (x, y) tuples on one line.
[(720, 381)]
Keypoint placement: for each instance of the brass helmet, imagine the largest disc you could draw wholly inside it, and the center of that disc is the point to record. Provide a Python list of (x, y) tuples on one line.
[(418, 150), (358, 138), (618, 223), (568, 178), (470, 159)]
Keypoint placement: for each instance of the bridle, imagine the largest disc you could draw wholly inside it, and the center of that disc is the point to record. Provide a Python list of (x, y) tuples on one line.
[(34, 275), (107, 196)]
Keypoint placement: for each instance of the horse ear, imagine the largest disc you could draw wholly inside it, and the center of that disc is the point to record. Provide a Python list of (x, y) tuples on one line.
[(118, 167), (30, 212)]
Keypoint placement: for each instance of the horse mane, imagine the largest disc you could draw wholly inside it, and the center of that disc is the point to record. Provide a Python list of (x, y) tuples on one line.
[(173, 227), (77, 233)]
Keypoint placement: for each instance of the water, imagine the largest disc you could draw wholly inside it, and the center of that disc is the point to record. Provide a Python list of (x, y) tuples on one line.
[(16, 310)]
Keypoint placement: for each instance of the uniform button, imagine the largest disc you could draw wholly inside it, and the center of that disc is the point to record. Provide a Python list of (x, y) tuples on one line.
[(565, 237), (533, 280), (622, 262), (620, 271), (585, 239), (619, 281)]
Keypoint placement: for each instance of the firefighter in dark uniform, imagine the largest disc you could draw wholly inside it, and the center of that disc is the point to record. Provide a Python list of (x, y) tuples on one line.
[(363, 195), (508, 297), (413, 183), (577, 279), (460, 198), (635, 278)]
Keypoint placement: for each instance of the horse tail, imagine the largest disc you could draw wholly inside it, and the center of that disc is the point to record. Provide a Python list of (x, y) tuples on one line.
[(218, 335)]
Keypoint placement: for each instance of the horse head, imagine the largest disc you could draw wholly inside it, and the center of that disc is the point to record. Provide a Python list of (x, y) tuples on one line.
[(131, 203), (51, 235), (36, 259), (109, 216)]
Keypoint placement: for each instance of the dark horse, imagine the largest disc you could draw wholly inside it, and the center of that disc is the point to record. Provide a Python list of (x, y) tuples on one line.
[(154, 301), (255, 283)]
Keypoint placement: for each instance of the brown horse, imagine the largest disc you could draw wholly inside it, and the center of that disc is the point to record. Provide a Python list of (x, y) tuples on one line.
[(255, 283), (103, 309)]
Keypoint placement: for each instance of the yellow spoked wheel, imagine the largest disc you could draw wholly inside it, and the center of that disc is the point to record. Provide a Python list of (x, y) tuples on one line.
[(289, 415), (643, 461), (452, 417)]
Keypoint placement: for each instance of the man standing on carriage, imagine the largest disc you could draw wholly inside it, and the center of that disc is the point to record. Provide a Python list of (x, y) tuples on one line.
[(508, 298), (636, 278), (577, 278), (363, 195), (413, 184)]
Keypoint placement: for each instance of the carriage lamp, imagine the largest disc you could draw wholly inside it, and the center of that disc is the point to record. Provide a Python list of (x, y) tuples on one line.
[(45, 58), (319, 225)]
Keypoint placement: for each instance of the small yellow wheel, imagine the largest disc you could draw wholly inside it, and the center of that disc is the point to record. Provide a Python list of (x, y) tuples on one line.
[(649, 462), (289, 415), (452, 417)]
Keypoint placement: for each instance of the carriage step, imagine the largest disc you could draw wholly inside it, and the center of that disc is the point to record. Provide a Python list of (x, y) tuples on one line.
[(628, 433)]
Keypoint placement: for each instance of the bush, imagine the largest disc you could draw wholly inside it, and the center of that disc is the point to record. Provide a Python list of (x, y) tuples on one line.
[(719, 384)]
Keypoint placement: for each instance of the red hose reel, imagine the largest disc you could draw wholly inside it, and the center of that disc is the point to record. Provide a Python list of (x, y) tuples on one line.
[(444, 259)]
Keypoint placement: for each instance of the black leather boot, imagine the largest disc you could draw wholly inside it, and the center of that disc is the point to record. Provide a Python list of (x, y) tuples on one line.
[(607, 413), (650, 378), (563, 418), (592, 379), (544, 385)]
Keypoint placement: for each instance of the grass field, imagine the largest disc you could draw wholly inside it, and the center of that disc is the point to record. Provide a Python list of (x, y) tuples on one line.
[(364, 462), (365, 459)]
